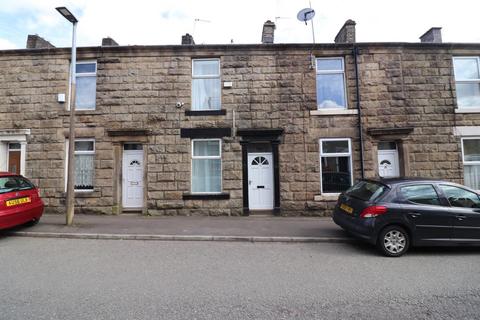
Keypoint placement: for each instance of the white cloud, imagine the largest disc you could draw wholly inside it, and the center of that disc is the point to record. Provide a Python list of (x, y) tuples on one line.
[(6, 44), (148, 22)]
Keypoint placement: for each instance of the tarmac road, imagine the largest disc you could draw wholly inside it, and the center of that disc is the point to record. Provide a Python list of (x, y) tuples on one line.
[(115, 279)]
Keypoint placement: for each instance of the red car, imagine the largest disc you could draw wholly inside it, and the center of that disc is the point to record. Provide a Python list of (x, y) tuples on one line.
[(20, 201)]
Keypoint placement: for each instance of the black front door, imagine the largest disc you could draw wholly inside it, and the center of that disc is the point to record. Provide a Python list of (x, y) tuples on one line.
[(465, 207), (431, 219)]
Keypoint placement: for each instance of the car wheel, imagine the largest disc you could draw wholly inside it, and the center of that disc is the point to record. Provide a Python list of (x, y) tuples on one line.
[(393, 241)]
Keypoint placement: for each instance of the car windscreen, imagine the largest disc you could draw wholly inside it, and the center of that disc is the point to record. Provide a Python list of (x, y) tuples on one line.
[(9, 184), (366, 190)]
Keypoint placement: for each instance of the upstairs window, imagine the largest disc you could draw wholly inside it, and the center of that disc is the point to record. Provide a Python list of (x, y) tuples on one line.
[(331, 92), (206, 166), (467, 81), (206, 84), (86, 75)]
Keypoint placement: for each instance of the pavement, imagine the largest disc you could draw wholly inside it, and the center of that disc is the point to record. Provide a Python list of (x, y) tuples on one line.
[(186, 228)]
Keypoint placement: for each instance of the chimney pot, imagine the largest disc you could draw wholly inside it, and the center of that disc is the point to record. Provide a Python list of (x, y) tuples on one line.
[(268, 32), (34, 41), (109, 42), (187, 39), (346, 33), (433, 35)]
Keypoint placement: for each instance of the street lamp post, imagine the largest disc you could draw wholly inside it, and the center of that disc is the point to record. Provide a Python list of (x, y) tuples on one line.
[(71, 137)]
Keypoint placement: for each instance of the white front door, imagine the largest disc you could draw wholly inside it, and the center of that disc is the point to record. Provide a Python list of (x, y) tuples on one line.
[(260, 181), (132, 179), (388, 166)]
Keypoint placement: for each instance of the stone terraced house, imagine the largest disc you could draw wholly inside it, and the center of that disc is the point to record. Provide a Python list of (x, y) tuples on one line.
[(239, 129)]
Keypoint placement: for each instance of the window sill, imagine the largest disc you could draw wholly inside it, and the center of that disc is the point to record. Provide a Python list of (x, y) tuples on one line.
[(467, 110), (333, 112), (326, 197), (85, 194), (82, 112), (193, 113), (206, 196)]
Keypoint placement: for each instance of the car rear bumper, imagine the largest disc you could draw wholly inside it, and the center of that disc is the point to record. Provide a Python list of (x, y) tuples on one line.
[(13, 218), (361, 228)]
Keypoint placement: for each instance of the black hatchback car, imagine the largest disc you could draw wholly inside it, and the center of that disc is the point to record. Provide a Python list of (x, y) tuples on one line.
[(395, 214)]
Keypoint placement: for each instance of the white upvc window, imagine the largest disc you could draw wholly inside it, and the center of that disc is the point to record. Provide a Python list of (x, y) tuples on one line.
[(471, 162), (84, 164), (335, 165), (206, 87), (86, 90), (331, 88), (206, 166), (467, 81)]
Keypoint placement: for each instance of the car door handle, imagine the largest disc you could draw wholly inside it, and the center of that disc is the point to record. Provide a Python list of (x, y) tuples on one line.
[(260, 187), (414, 215), (461, 217)]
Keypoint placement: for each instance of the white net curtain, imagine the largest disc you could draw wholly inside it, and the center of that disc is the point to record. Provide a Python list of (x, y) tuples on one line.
[(84, 171)]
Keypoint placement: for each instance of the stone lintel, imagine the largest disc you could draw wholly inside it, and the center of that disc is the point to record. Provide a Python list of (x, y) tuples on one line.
[(14, 132), (375, 132), (128, 132)]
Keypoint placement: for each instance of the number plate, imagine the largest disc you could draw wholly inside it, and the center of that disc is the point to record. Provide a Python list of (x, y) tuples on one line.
[(16, 202), (346, 208)]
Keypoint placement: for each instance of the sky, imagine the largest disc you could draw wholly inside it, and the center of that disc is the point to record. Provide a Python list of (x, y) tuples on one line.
[(158, 22)]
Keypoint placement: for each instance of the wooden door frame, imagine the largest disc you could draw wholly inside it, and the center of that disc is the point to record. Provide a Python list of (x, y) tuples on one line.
[(271, 136)]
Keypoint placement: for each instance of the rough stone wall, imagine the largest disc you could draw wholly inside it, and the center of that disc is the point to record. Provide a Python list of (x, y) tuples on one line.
[(412, 87), (29, 84), (274, 87)]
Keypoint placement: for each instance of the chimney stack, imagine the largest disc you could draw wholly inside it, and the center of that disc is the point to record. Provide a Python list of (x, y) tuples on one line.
[(433, 35), (109, 42), (187, 39), (34, 41), (268, 32), (346, 33)]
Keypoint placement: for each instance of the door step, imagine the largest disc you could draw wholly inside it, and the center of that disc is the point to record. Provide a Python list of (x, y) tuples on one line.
[(132, 211), (261, 213)]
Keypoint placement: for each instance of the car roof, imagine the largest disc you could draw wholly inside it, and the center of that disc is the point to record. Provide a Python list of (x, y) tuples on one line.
[(402, 180)]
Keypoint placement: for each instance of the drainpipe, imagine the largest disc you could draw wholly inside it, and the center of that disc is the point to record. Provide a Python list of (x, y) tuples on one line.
[(359, 114)]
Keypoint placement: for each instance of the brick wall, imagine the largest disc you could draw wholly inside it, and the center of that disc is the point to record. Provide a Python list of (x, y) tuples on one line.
[(273, 87)]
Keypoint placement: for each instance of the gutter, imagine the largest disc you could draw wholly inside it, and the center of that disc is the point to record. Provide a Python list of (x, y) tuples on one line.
[(359, 114)]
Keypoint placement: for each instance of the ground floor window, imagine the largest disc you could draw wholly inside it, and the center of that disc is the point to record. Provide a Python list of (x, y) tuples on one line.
[(84, 164), (471, 162), (206, 166), (336, 165)]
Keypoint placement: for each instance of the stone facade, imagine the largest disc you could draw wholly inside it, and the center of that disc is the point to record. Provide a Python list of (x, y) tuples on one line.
[(407, 95)]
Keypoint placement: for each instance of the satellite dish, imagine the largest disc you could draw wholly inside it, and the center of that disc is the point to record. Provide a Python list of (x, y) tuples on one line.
[(306, 14)]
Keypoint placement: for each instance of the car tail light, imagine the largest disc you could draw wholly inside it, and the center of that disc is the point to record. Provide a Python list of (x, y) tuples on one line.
[(36, 194), (373, 211)]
